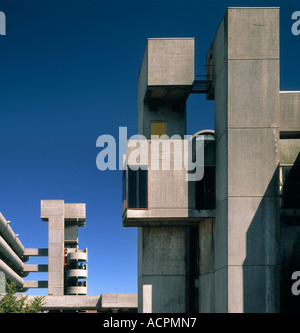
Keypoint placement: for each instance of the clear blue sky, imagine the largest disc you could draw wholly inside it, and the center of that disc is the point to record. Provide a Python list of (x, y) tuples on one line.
[(68, 75)]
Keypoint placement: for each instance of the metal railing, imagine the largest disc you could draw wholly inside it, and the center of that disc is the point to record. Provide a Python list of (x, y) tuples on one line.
[(203, 81)]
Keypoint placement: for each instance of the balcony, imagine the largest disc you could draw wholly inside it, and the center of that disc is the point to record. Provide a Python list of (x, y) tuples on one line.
[(162, 189), (79, 289), (79, 255)]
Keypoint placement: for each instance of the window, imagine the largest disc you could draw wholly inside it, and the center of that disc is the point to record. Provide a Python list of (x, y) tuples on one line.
[(205, 190), (137, 188), (158, 128), (290, 186), (124, 186)]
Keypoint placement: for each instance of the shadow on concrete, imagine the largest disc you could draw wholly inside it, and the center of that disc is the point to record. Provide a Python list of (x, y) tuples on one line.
[(273, 251)]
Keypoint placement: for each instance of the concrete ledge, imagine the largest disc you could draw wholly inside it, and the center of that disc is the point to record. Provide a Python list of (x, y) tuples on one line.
[(108, 301), (35, 284), (91, 302), (36, 252), (136, 218), (35, 268)]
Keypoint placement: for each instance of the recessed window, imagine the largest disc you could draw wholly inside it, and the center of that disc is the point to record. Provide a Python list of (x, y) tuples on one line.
[(137, 188), (205, 190), (290, 186)]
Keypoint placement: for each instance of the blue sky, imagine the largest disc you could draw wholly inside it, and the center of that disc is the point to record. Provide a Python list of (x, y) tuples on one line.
[(68, 75)]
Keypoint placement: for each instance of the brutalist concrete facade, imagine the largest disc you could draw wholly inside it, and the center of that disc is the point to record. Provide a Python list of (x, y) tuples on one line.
[(67, 268), (238, 254)]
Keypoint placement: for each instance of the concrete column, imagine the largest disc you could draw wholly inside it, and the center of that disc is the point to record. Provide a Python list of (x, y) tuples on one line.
[(245, 55), (53, 212), (161, 269)]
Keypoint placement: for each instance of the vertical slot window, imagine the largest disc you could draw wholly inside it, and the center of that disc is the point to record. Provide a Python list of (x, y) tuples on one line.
[(205, 190), (137, 188)]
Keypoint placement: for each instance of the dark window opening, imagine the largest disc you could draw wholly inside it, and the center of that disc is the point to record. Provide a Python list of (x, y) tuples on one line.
[(137, 188), (124, 187), (153, 106), (205, 189), (290, 186)]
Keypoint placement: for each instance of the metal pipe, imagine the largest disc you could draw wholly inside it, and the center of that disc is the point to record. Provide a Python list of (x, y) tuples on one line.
[(11, 275), (10, 237)]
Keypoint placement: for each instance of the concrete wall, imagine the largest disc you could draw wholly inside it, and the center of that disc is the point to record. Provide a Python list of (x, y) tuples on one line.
[(161, 265), (166, 74), (289, 111), (245, 55)]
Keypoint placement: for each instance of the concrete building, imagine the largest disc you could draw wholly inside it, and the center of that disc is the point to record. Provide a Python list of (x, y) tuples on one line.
[(227, 242), (67, 268)]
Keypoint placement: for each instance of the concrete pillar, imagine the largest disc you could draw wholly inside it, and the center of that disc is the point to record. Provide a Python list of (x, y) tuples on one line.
[(245, 56), (165, 78), (161, 269), (53, 212)]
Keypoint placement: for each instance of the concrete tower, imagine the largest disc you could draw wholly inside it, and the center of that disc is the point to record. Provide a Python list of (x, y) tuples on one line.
[(228, 242)]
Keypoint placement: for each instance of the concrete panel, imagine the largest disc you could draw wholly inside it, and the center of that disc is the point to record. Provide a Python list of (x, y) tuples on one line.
[(253, 289), (289, 111), (109, 301), (207, 293), (206, 246), (221, 236), (289, 150), (253, 162), (75, 210), (261, 289), (235, 289), (171, 61), (219, 49), (246, 79), (253, 33), (221, 290), (163, 251), (222, 169), (147, 298), (175, 120), (70, 302), (221, 102), (168, 293), (253, 237), (51, 208)]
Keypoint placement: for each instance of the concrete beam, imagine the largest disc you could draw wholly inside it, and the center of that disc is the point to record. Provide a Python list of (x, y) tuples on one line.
[(118, 301), (91, 302), (36, 252), (35, 268), (35, 284)]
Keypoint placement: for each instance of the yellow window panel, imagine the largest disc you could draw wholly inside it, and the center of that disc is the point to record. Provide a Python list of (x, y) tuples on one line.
[(158, 128)]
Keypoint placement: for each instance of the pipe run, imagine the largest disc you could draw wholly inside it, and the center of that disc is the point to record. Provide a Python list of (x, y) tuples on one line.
[(11, 275), (10, 257), (10, 237)]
